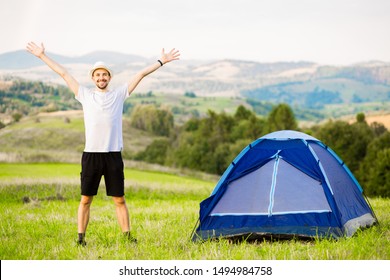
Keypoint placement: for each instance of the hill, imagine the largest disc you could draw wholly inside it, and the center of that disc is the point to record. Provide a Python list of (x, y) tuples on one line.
[(20, 98), (313, 91), (22, 59), (58, 137)]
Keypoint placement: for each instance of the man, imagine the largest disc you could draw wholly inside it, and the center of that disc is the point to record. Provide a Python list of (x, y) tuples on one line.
[(103, 109)]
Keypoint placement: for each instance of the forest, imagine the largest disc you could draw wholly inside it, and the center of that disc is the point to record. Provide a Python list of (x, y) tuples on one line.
[(209, 142)]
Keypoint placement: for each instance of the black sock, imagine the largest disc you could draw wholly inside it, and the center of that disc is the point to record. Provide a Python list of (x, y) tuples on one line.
[(128, 236), (81, 236)]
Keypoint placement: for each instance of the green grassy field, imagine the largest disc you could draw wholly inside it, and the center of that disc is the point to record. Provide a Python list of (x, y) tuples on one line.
[(38, 206), (58, 137)]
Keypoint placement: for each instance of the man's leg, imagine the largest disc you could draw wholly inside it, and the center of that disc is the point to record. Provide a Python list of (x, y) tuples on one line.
[(123, 216), (83, 217), (122, 212)]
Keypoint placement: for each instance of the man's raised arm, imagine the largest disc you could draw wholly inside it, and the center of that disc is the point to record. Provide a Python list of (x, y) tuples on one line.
[(165, 58), (39, 51)]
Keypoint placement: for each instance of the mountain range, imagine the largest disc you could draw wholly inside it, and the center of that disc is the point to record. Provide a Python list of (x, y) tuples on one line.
[(301, 83)]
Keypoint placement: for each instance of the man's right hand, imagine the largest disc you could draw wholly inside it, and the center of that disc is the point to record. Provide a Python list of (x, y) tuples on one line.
[(39, 51)]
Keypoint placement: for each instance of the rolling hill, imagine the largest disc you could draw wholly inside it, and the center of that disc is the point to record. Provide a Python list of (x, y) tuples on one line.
[(322, 90), (58, 137)]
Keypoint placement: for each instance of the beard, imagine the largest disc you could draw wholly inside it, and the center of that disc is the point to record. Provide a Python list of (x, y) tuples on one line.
[(104, 86)]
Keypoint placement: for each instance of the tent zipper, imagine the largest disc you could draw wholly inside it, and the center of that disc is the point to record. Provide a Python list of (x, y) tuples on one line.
[(272, 191)]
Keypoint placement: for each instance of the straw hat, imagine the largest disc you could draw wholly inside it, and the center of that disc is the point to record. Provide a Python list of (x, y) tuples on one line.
[(100, 65)]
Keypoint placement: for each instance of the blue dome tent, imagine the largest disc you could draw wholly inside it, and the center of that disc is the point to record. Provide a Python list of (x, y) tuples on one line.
[(285, 184)]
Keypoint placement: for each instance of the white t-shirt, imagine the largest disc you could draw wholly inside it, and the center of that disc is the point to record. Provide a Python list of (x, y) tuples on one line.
[(103, 118)]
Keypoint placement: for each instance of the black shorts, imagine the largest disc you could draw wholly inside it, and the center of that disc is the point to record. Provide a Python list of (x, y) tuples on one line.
[(95, 165)]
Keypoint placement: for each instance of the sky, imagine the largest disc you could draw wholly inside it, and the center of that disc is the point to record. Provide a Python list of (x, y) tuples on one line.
[(323, 31)]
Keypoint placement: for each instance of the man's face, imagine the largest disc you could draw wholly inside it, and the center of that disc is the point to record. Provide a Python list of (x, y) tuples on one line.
[(101, 78)]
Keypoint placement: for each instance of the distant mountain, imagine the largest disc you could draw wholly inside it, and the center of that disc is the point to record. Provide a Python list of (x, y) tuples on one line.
[(301, 84), (21, 59), (330, 85)]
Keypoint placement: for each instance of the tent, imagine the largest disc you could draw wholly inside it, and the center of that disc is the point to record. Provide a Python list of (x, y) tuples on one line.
[(285, 184)]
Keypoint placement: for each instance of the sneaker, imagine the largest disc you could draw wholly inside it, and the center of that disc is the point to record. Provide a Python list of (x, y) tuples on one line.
[(129, 237), (81, 243), (132, 239)]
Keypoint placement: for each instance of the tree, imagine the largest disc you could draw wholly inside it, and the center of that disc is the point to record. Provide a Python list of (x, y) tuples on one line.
[(374, 170), (280, 118), (16, 117), (360, 117), (155, 152), (249, 129), (190, 94), (378, 128), (242, 113), (348, 141), (378, 183), (152, 119)]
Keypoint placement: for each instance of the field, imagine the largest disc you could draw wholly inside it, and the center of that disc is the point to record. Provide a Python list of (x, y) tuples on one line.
[(38, 204), (383, 119), (57, 137)]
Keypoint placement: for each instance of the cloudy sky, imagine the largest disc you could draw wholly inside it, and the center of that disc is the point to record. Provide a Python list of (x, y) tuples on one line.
[(322, 31)]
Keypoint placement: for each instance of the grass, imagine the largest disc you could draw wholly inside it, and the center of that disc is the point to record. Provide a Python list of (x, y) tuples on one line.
[(58, 137), (38, 206)]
